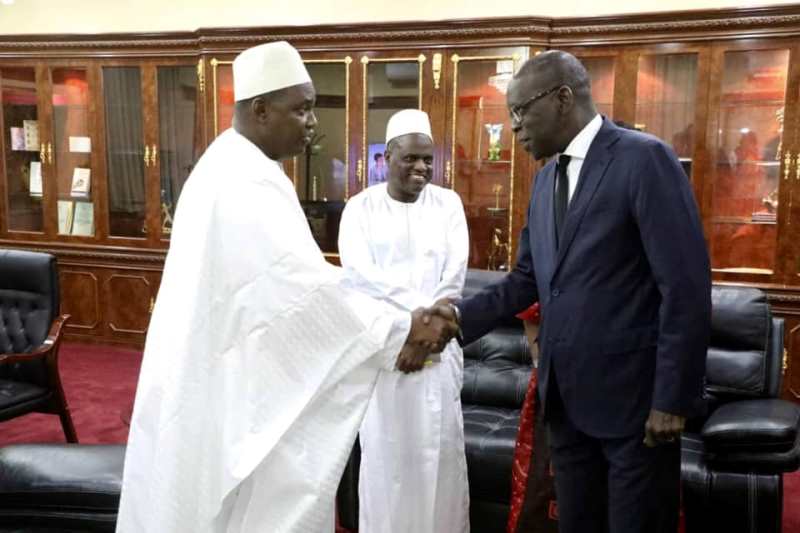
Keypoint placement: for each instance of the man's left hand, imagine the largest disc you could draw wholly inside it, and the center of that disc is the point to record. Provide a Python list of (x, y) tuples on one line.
[(662, 428)]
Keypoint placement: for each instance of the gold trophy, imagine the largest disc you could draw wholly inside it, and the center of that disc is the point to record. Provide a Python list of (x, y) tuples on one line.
[(496, 210), (494, 131)]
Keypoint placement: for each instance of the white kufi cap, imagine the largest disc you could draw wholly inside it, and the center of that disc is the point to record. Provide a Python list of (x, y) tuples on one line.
[(266, 68), (408, 121)]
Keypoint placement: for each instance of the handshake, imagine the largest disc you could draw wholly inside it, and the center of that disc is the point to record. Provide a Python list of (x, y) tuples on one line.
[(431, 329)]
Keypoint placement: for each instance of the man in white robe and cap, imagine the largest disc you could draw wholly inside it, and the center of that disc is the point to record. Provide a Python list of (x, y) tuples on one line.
[(260, 358), (405, 241)]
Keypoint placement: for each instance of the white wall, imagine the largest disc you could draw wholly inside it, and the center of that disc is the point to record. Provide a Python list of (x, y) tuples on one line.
[(105, 16)]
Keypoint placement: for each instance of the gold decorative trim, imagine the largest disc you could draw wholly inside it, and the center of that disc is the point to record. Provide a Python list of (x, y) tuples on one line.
[(201, 75), (454, 59), (364, 105), (214, 63), (436, 69), (347, 61), (421, 59)]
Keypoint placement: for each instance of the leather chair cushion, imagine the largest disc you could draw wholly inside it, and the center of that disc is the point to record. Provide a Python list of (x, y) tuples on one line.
[(15, 392), (740, 334), (754, 436), (497, 368), (38, 478), (490, 435), (752, 425)]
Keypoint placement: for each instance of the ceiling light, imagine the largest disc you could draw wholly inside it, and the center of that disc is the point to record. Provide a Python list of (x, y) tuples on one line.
[(7, 2)]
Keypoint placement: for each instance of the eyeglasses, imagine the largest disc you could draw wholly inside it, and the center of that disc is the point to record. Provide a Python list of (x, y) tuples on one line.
[(518, 110)]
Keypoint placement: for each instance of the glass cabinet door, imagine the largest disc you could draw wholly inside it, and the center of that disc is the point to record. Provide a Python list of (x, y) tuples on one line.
[(601, 73), (126, 153), (72, 151), (666, 89), (222, 80), (482, 154), (321, 174), (25, 157), (389, 85), (746, 160), (178, 136)]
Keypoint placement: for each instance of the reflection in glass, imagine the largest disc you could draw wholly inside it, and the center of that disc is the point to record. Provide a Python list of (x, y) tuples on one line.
[(747, 158), (178, 135), (482, 168), (24, 154), (601, 73), (73, 146), (321, 171), (391, 86), (125, 151), (665, 95), (224, 98)]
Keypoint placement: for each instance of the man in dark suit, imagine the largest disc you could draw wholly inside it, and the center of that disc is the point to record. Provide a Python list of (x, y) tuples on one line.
[(613, 251)]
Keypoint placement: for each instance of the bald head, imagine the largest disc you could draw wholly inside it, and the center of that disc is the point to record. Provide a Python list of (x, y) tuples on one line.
[(556, 67), (550, 101)]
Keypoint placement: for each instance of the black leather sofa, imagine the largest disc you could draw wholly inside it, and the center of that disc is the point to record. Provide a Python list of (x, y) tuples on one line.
[(733, 459), (732, 466)]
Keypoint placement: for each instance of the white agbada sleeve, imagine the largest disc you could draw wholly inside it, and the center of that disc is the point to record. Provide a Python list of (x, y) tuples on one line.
[(258, 365), (455, 268), (359, 262)]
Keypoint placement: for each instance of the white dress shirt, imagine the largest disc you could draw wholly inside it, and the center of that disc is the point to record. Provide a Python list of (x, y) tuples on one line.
[(577, 150)]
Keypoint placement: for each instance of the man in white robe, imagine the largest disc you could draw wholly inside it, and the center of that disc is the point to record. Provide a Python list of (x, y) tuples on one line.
[(406, 241), (260, 359)]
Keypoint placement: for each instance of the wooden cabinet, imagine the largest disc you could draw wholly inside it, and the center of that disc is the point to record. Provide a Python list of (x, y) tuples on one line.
[(357, 91), (135, 112)]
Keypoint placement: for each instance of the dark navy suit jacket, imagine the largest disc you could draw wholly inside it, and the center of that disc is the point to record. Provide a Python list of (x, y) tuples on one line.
[(626, 298)]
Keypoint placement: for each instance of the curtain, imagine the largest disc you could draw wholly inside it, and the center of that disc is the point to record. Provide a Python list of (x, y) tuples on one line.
[(125, 149)]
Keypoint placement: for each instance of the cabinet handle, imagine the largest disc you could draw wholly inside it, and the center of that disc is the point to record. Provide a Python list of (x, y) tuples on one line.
[(146, 155), (153, 154), (360, 172), (787, 164), (448, 168), (796, 163), (43, 153), (50, 153)]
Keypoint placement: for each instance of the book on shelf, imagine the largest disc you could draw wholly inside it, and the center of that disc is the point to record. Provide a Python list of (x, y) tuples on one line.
[(17, 139), (83, 219), (80, 144), (31, 132), (65, 212), (763, 217), (35, 182), (81, 181)]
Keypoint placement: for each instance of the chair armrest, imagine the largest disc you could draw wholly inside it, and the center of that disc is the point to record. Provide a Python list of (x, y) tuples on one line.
[(754, 434), (50, 343)]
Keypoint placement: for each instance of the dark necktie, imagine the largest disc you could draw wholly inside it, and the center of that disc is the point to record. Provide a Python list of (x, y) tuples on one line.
[(561, 194)]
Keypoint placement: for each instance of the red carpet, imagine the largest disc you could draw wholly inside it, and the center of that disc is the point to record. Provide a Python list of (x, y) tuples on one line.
[(100, 381)]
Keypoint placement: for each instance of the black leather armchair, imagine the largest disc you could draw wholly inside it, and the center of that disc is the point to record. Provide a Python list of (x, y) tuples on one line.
[(30, 335), (733, 460)]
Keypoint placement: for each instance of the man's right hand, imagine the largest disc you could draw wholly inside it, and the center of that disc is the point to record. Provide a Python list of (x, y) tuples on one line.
[(431, 330)]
